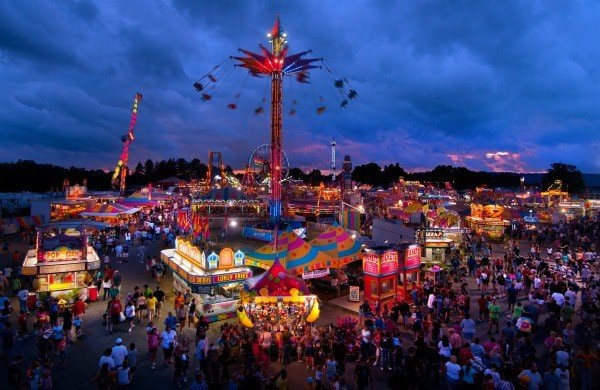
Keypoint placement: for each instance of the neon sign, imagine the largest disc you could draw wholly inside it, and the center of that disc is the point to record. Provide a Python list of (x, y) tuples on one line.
[(224, 278), (61, 254), (389, 263)]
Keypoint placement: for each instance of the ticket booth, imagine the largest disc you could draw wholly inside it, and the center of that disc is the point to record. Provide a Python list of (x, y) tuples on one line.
[(408, 271), (380, 266)]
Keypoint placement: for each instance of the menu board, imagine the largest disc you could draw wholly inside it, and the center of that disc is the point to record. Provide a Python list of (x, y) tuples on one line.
[(354, 294)]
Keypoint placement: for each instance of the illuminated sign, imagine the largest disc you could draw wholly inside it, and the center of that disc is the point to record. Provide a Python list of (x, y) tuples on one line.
[(62, 253), (225, 278), (371, 264), (189, 250), (389, 263), (213, 260), (53, 269), (412, 257), (318, 273), (238, 258), (226, 258)]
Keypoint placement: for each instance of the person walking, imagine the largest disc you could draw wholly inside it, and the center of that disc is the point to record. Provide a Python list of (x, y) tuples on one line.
[(168, 339), (130, 314), (160, 298), (152, 340)]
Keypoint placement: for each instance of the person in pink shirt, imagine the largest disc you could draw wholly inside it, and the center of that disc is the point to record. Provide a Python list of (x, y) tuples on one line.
[(455, 341), (489, 345)]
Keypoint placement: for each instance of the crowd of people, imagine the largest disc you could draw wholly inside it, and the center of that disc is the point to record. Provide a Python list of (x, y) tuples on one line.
[(495, 318)]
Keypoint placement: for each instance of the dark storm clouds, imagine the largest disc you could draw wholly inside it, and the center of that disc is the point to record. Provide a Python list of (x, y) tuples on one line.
[(489, 85)]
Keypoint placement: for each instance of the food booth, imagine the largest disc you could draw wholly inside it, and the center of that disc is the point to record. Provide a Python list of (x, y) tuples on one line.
[(62, 263), (215, 280), (380, 266), (409, 270)]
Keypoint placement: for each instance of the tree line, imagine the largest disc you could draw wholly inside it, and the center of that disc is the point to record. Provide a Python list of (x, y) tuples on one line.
[(26, 175)]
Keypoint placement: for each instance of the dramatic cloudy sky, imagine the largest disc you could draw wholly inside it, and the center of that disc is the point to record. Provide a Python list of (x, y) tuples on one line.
[(488, 85)]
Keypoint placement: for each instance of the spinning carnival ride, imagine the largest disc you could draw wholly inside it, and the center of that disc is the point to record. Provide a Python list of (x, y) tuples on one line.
[(260, 165), (275, 63), (120, 175)]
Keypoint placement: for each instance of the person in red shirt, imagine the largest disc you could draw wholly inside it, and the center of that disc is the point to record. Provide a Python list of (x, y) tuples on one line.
[(22, 321), (179, 300), (489, 345), (465, 354), (109, 272), (114, 311), (78, 307)]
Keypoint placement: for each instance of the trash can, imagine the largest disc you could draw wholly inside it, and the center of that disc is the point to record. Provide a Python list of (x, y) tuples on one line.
[(92, 293), (31, 301)]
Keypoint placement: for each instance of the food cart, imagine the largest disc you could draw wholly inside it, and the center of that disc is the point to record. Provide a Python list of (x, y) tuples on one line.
[(61, 263), (215, 280)]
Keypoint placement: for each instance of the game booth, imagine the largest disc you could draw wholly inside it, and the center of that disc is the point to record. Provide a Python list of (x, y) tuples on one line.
[(409, 271), (380, 266), (62, 263), (277, 297), (215, 280), (488, 220)]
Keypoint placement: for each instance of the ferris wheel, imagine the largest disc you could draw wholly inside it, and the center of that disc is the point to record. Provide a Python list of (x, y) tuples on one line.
[(260, 164)]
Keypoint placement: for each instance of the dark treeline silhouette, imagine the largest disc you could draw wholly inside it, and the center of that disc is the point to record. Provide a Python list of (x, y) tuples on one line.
[(26, 175)]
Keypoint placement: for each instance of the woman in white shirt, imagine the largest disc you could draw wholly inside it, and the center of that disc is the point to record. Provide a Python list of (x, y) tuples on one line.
[(168, 338), (445, 348), (130, 314)]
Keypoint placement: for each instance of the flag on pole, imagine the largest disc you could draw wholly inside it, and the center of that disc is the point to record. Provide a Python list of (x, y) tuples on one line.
[(184, 219), (351, 219), (200, 226)]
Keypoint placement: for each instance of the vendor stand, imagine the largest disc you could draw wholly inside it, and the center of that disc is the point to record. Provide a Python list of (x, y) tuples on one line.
[(215, 280), (408, 271), (380, 266), (61, 263)]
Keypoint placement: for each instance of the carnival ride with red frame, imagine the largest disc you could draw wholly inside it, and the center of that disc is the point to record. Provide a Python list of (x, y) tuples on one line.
[(119, 177), (276, 63)]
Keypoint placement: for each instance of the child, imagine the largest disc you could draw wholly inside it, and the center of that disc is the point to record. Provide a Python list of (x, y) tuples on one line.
[(62, 351), (319, 375), (77, 322), (132, 357)]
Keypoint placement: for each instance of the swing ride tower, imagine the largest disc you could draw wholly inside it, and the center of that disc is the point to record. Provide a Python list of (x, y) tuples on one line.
[(276, 63)]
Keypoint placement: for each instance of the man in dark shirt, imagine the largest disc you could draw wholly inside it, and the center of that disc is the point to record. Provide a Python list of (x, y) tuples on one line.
[(512, 293), (160, 298), (362, 375), (287, 345)]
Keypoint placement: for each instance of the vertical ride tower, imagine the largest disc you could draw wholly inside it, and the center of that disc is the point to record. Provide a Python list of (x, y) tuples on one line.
[(276, 63)]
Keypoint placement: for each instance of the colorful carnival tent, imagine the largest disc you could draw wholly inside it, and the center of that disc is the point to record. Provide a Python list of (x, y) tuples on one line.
[(297, 255), (339, 244), (24, 222), (137, 199), (276, 282), (109, 210)]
